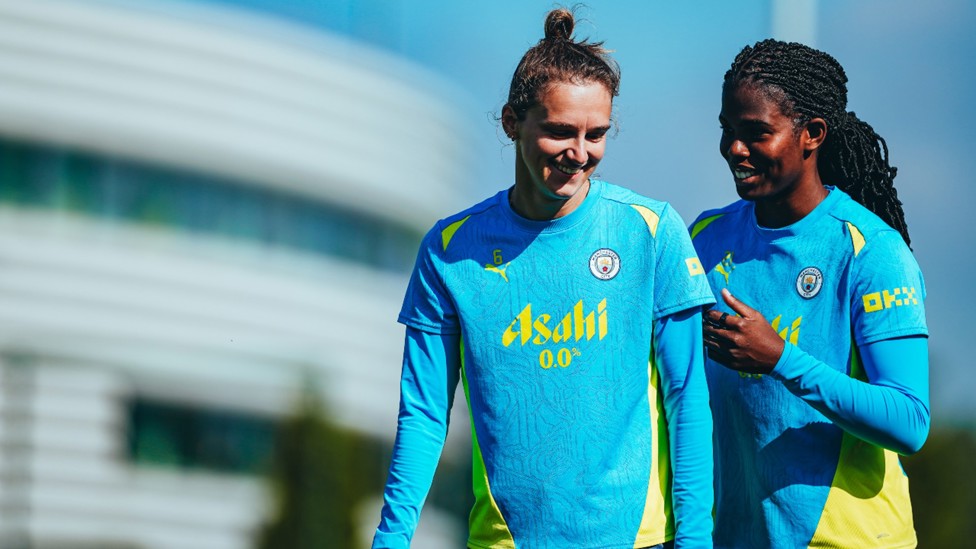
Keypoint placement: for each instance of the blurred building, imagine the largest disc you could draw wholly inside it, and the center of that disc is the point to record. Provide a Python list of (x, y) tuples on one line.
[(201, 210)]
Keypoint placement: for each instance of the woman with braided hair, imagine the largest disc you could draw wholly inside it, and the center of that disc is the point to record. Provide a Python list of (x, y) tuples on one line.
[(570, 308), (817, 350)]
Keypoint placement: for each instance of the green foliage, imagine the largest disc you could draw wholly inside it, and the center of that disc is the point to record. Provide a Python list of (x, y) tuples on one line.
[(943, 489), (319, 480)]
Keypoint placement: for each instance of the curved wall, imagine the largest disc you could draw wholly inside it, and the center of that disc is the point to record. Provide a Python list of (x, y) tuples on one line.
[(221, 91), (98, 310)]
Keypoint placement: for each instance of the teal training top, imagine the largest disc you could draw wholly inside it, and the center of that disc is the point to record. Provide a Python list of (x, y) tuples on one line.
[(806, 456), (553, 325)]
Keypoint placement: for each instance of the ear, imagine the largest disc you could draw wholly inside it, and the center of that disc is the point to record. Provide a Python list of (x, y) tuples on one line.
[(510, 122), (814, 134)]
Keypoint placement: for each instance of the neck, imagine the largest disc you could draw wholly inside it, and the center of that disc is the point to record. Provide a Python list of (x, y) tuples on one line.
[(537, 207), (786, 209)]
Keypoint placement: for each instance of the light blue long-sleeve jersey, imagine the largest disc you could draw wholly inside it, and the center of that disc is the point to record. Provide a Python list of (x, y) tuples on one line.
[(577, 344), (807, 455), (890, 410)]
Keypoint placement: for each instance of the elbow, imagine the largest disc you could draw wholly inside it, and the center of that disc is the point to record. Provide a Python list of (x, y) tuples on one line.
[(908, 447), (913, 438), (917, 442), (434, 429)]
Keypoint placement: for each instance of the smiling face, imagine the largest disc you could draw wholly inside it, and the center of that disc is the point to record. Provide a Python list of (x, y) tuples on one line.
[(558, 144), (773, 161)]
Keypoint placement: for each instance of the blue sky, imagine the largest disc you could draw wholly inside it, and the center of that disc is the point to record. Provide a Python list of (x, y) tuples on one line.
[(911, 69)]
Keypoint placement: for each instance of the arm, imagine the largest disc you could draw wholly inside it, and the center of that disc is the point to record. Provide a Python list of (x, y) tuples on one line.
[(679, 357), (431, 364), (891, 410)]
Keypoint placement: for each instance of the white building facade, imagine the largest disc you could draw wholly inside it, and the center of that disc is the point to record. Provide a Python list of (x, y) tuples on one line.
[(200, 210)]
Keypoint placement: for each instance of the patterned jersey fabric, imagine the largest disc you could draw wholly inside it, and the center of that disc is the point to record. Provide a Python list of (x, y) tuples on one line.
[(555, 327), (786, 476)]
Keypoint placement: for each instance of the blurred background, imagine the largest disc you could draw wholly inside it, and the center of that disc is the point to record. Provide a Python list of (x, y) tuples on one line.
[(209, 211)]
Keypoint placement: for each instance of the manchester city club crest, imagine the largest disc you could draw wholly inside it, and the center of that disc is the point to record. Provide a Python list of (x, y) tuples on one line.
[(604, 263), (809, 282)]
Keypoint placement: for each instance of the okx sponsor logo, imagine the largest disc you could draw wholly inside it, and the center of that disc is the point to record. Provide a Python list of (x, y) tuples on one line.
[(887, 299)]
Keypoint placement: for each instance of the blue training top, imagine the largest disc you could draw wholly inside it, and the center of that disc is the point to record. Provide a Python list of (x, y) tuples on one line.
[(579, 352), (806, 456)]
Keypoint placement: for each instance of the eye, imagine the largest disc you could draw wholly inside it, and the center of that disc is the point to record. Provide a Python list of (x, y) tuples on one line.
[(596, 136), (757, 135), (560, 133)]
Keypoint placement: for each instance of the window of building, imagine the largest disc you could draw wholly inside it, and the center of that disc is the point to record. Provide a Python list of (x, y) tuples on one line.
[(173, 435), (42, 176)]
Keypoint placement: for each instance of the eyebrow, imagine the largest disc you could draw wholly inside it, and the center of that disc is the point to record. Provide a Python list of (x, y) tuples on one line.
[(560, 126), (748, 123)]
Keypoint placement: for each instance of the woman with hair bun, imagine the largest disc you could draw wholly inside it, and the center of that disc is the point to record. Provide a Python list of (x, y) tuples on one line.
[(570, 308), (817, 353)]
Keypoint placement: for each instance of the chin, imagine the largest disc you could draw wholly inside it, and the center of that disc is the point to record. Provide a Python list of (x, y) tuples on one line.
[(751, 192), (566, 190), (744, 193)]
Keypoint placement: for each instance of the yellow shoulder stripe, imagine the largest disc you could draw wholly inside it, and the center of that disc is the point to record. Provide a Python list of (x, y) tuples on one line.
[(650, 218), (448, 233), (857, 239), (700, 226)]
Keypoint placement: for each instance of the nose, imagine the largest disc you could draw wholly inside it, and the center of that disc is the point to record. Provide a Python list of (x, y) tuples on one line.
[(576, 152), (736, 149)]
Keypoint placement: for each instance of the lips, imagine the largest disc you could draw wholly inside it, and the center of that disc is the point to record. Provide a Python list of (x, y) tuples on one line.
[(743, 173), (568, 170)]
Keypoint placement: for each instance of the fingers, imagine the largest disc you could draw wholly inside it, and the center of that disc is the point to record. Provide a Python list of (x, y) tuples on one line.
[(715, 336), (721, 356), (710, 320), (716, 319), (739, 307), (712, 337), (742, 339)]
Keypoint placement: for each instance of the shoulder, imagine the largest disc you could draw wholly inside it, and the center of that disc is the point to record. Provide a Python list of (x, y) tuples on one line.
[(653, 212), (621, 195), (444, 230), (486, 206), (708, 222), (865, 230)]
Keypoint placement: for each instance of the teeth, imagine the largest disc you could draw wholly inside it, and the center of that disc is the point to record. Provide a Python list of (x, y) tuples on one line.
[(567, 170), (743, 174)]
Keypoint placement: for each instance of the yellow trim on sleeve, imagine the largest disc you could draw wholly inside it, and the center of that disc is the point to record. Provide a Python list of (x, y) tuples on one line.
[(700, 226), (448, 233), (857, 239), (651, 218)]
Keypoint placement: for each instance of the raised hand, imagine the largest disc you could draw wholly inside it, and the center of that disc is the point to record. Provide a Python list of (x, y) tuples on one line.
[(745, 342)]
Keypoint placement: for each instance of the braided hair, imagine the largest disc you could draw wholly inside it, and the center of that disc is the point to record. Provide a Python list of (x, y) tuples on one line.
[(809, 83), (559, 58)]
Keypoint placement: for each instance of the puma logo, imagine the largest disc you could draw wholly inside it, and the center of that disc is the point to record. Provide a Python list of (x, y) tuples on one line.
[(500, 269), (725, 267)]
